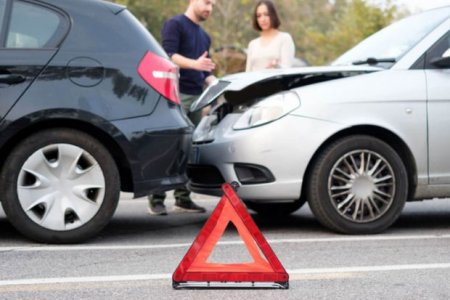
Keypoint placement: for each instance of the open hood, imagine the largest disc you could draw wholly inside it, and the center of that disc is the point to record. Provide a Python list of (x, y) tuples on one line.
[(244, 87)]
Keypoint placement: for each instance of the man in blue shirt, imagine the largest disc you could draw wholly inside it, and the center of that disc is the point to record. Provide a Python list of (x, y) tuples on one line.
[(187, 44)]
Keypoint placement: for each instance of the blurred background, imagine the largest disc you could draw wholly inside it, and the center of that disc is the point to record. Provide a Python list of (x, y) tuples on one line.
[(322, 29)]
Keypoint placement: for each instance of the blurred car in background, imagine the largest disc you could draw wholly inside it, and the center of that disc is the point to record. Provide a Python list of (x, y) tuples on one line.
[(89, 107), (356, 139)]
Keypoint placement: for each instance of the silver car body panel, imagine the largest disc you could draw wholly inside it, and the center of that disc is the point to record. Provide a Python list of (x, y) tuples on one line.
[(400, 109), (439, 124), (411, 104), (326, 109)]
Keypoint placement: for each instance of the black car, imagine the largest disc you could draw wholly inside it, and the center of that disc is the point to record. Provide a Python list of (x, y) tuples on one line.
[(89, 107)]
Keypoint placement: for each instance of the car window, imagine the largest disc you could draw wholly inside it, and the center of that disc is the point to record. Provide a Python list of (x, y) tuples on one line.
[(2, 12), (397, 39), (33, 26), (439, 50), (3, 9)]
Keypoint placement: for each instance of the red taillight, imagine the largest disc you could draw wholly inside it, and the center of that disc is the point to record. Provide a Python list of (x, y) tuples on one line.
[(161, 74)]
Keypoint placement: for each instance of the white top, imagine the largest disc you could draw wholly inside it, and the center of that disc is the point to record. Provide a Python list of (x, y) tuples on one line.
[(280, 48)]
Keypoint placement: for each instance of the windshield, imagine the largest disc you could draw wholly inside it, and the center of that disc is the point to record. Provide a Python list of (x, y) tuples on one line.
[(392, 42)]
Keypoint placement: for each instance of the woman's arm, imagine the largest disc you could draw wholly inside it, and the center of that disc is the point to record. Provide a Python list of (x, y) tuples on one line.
[(248, 64), (287, 53)]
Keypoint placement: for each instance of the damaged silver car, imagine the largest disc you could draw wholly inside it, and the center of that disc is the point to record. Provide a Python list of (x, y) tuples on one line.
[(356, 139)]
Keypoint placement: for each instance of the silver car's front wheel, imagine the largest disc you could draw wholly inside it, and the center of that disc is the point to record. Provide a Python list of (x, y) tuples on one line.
[(59, 186), (361, 186), (358, 184)]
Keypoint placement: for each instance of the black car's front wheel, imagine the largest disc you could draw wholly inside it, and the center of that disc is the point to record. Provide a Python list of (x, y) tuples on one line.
[(358, 185), (59, 186)]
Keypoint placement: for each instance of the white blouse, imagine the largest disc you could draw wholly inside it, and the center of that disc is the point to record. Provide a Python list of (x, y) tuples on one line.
[(280, 48)]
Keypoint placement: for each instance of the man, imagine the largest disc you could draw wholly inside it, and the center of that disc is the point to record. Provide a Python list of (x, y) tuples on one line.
[(187, 44)]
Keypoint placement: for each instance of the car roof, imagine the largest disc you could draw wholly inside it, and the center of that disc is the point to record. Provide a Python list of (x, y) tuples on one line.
[(113, 7)]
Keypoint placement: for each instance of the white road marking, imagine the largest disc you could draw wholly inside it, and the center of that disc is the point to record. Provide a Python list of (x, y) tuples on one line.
[(298, 274), (225, 243), (326, 272), (39, 281), (368, 269)]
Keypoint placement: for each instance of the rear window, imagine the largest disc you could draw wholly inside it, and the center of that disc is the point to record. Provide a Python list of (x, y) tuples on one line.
[(33, 26), (143, 34)]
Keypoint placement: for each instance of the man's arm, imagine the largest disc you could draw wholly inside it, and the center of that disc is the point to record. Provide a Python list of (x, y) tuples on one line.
[(203, 63)]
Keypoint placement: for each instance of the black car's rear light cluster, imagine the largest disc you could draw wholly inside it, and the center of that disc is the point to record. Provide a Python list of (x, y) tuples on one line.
[(161, 74)]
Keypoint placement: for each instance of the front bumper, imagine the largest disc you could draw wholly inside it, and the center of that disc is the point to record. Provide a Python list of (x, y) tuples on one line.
[(284, 148)]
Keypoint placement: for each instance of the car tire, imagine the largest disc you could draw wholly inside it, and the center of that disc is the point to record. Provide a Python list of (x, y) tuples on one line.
[(358, 185), (275, 209), (59, 186)]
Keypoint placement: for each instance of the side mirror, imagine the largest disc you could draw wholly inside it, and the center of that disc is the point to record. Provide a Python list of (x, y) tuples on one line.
[(441, 62)]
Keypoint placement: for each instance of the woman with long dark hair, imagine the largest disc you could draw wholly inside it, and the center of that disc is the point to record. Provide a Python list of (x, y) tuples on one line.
[(273, 48)]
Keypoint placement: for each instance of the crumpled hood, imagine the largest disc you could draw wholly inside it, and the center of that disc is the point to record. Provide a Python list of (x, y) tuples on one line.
[(241, 87)]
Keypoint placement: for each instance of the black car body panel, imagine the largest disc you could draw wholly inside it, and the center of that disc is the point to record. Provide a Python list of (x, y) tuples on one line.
[(84, 76), (89, 107)]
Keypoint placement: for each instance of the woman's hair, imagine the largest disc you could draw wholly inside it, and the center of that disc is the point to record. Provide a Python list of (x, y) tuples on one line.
[(274, 20)]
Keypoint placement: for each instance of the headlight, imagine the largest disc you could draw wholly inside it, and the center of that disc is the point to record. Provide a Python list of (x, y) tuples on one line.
[(268, 110)]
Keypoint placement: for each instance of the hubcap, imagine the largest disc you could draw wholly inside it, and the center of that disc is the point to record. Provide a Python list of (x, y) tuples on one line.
[(61, 187), (361, 186)]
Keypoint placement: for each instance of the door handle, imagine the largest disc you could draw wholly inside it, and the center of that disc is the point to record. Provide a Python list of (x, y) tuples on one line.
[(11, 78)]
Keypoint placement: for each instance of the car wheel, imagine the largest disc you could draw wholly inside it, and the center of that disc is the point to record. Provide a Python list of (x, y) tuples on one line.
[(275, 209), (358, 185), (59, 186)]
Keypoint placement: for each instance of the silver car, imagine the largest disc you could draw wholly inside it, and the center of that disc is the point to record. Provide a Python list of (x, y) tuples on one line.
[(356, 139)]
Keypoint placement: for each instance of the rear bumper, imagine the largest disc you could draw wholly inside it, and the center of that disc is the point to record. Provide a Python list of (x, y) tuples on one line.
[(162, 161), (157, 149)]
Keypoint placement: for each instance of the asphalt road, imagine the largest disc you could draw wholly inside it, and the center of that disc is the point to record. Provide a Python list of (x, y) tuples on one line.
[(136, 254)]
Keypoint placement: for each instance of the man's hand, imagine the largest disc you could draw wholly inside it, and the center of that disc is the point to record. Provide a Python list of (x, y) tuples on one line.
[(273, 64), (203, 63)]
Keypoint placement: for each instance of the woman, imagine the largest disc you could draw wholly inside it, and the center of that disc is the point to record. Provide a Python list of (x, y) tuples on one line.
[(273, 49)]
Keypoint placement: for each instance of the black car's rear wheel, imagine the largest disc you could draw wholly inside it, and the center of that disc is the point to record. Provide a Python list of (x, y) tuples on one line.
[(59, 186), (358, 185)]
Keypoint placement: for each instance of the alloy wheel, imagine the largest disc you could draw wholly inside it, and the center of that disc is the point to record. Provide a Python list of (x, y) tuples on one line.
[(361, 186)]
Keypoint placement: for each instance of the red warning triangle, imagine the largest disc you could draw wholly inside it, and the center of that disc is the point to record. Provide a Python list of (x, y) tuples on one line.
[(194, 271)]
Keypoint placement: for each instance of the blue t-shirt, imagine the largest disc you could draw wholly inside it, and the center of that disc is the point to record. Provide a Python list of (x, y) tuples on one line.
[(182, 36)]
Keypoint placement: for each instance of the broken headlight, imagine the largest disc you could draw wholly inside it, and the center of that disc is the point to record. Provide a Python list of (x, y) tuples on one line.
[(268, 110)]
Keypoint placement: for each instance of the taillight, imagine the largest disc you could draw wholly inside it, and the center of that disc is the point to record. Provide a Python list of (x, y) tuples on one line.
[(161, 74)]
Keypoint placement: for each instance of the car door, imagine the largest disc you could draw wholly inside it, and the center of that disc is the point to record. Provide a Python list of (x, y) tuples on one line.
[(29, 37), (438, 91)]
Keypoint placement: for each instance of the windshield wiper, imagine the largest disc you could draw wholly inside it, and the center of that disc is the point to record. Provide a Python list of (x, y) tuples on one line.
[(374, 61)]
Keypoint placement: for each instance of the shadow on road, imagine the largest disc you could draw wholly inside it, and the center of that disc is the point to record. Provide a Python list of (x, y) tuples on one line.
[(133, 224), (187, 226)]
